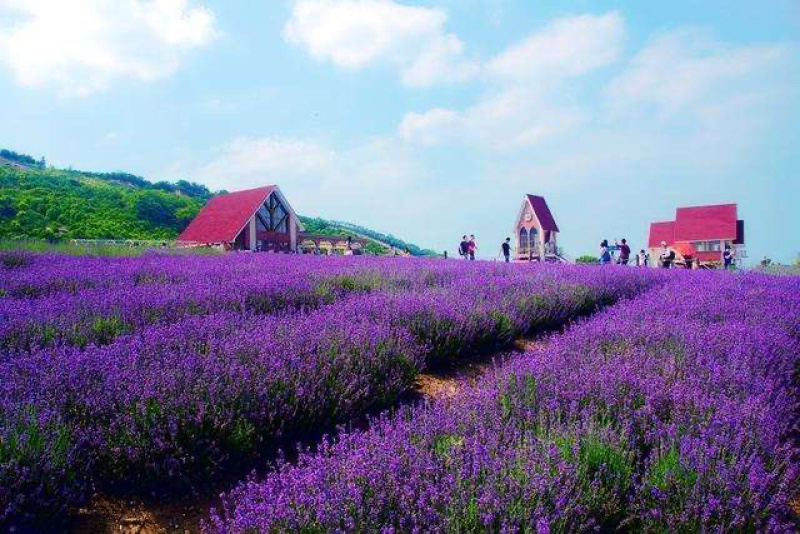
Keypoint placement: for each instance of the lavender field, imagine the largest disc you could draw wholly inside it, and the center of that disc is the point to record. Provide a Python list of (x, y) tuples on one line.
[(668, 404)]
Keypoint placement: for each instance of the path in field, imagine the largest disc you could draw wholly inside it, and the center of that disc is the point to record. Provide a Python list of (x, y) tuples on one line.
[(109, 515), (447, 383)]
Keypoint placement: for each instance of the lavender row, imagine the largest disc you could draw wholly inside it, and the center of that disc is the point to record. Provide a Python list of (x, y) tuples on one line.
[(652, 416), (42, 275), (177, 403), (263, 283), (492, 310), (28, 275)]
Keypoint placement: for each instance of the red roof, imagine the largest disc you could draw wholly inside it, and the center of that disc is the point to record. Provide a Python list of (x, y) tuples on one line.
[(706, 223), (542, 212), (661, 231), (225, 215), (699, 223)]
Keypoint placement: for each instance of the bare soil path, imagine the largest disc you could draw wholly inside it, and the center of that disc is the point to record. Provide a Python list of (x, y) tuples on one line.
[(109, 515), (447, 382)]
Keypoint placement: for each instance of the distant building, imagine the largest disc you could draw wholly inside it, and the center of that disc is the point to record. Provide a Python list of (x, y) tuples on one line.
[(536, 231), (255, 219), (261, 220), (700, 233)]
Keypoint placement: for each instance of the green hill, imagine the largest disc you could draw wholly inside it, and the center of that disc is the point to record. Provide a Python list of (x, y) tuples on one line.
[(59, 204)]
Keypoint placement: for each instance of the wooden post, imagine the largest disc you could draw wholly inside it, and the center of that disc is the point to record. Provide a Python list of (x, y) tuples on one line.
[(252, 232), (292, 233)]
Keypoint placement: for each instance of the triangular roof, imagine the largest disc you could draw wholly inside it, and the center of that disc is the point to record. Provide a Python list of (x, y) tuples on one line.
[(226, 215), (542, 212)]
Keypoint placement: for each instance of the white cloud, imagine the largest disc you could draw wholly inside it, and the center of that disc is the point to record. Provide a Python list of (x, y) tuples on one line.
[(515, 117), (684, 102), (686, 67), (253, 162), (526, 106), (568, 46), (81, 46), (356, 33), (430, 127)]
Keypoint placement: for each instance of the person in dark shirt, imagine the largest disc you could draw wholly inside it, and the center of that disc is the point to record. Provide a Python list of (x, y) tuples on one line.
[(624, 253), (507, 249), (463, 248), (727, 257), (667, 256)]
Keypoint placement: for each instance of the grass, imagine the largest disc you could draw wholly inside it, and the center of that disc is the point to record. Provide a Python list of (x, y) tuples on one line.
[(89, 249)]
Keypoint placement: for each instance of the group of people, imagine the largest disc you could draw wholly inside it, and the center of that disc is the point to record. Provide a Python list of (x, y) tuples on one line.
[(467, 247), (667, 258), (620, 253)]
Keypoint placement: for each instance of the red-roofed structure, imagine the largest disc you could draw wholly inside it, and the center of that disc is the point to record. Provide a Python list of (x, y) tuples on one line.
[(542, 212), (536, 230), (255, 219), (704, 231)]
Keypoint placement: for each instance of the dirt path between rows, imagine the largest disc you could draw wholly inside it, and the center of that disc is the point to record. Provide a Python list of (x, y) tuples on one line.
[(109, 515), (447, 383)]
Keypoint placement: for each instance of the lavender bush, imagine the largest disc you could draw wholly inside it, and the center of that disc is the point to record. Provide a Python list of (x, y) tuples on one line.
[(83, 300), (188, 367), (671, 412)]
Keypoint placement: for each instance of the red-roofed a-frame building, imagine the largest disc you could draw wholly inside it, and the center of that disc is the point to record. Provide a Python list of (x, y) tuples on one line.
[(700, 232), (255, 219), (536, 231)]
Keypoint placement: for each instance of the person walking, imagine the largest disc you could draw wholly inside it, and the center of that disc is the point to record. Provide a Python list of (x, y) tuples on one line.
[(472, 246), (463, 248), (727, 257), (624, 253), (506, 246), (667, 256), (605, 253)]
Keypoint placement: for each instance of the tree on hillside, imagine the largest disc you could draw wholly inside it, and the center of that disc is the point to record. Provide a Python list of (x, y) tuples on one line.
[(7, 209), (193, 189), (184, 216), (22, 159), (156, 209)]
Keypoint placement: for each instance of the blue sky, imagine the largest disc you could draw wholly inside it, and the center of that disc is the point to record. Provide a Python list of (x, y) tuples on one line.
[(427, 119)]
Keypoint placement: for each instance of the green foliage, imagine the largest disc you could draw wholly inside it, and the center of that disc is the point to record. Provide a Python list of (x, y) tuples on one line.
[(21, 159), (587, 259), (89, 249), (58, 205), (7, 209), (316, 225), (321, 226), (385, 238)]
